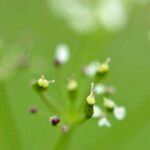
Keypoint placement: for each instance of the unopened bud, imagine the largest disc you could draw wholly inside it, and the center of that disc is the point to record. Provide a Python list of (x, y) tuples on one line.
[(54, 120), (72, 85), (91, 98), (64, 129), (42, 82), (90, 101), (33, 110), (104, 67), (109, 104)]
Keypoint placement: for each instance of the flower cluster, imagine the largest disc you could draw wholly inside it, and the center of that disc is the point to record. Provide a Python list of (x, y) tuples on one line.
[(99, 93)]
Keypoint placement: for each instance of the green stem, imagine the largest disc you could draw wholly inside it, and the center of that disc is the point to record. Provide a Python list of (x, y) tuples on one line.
[(53, 108), (64, 141)]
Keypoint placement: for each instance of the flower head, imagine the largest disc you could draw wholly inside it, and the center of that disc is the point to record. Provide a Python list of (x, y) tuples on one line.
[(100, 89), (91, 98), (104, 122), (104, 67), (44, 83), (97, 112), (62, 54), (119, 112), (72, 85), (54, 120), (108, 104), (91, 69)]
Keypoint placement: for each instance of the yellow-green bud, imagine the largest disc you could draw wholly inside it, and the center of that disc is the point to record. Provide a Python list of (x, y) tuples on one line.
[(90, 102), (108, 104), (72, 85), (91, 98), (43, 83), (104, 67)]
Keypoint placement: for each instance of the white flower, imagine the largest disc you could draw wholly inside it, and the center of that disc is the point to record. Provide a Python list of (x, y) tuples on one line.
[(97, 112), (62, 54), (112, 15), (100, 89), (108, 103), (119, 112), (104, 122), (91, 69)]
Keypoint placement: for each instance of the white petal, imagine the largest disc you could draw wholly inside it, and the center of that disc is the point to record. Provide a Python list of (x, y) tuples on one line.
[(100, 89), (113, 15), (104, 122), (97, 112), (120, 113), (92, 69), (108, 103), (62, 53)]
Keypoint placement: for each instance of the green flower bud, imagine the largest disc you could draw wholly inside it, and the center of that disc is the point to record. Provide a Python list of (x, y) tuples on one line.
[(72, 88), (109, 104), (104, 67), (42, 84), (90, 102), (72, 85)]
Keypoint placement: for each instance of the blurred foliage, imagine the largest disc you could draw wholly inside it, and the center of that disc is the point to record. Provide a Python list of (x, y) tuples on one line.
[(34, 29)]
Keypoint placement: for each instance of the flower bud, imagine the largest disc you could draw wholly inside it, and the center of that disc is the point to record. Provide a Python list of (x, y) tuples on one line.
[(64, 129), (33, 110), (42, 84), (62, 54), (90, 102), (54, 120), (119, 112), (72, 88), (91, 98), (104, 67), (72, 85), (109, 104)]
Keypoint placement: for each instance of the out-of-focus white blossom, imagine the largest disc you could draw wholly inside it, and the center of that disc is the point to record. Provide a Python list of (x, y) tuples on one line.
[(104, 122), (97, 112), (100, 89), (119, 112), (112, 14), (91, 69), (86, 16), (62, 53), (108, 103)]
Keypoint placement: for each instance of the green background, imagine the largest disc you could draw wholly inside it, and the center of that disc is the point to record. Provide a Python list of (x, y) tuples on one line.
[(30, 25)]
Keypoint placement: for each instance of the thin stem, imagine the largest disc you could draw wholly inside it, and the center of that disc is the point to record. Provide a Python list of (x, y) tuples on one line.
[(64, 141), (48, 103)]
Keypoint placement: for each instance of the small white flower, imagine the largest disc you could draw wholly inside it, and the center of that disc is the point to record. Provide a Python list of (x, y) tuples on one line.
[(108, 103), (119, 112), (112, 14), (100, 89), (91, 69), (104, 122), (62, 54), (97, 112)]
